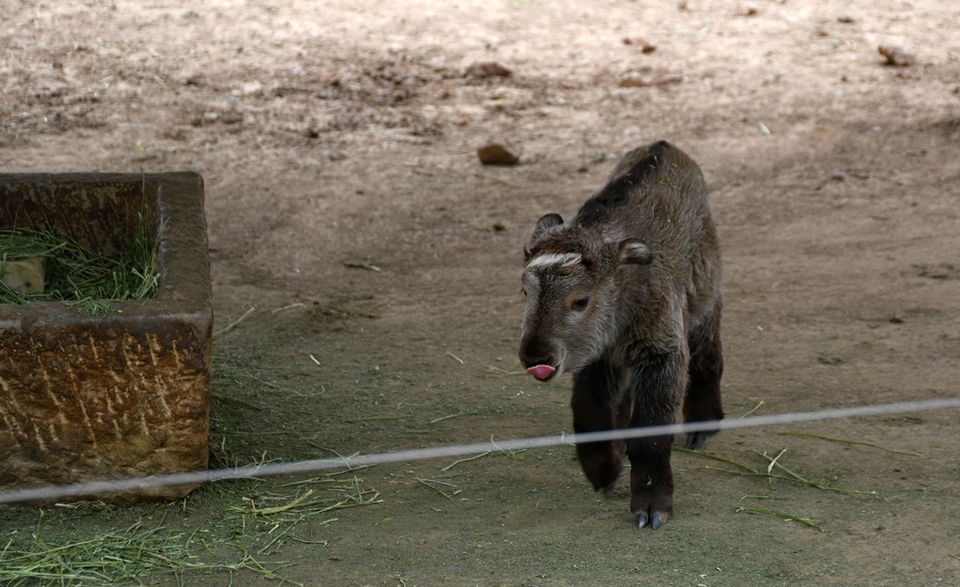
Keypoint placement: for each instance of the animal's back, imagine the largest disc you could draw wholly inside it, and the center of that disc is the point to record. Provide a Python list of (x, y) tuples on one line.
[(657, 193)]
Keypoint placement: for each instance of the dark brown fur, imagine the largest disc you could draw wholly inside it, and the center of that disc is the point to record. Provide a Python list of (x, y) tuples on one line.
[(626, 296)]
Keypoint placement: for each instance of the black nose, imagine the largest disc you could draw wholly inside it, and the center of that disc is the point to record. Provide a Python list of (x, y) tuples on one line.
[(536, 350), (528, 362)]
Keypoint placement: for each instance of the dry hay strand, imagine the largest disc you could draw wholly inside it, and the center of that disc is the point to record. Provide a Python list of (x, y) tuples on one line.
[(776, 514), (854, 442), (307, 501), (773, 463)]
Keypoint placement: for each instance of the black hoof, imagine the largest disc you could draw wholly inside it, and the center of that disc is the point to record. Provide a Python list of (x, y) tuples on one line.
[(641, 521), (697, 440), (659, 519), (656, 521)]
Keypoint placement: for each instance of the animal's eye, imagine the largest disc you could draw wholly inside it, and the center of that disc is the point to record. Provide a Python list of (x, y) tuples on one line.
[(581, 304)]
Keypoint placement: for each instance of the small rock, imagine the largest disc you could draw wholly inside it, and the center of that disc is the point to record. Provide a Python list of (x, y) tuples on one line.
[(499, 152), (897, 56), (846, 19), (194, 79), (641, 43), (827, 359), (937, 271), (633, 79), (747, 10), (484, 69), (838, 176), (231, 117)]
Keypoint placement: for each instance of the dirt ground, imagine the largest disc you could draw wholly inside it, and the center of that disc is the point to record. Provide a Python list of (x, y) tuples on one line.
[(346, 204)]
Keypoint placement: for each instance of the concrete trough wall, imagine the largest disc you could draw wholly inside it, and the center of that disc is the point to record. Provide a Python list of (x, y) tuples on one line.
[(87, 398)]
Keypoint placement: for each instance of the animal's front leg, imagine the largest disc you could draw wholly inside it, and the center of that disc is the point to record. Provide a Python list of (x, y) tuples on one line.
[(596, 399), (657, 386)]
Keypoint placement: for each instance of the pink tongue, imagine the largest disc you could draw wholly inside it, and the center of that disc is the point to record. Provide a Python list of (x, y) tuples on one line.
[(541, 372)]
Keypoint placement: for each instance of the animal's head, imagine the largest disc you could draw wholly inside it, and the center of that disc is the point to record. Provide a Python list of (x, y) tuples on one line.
[(570, 280)]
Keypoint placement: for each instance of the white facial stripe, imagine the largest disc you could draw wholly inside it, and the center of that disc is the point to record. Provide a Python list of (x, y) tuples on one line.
[(562, 259)]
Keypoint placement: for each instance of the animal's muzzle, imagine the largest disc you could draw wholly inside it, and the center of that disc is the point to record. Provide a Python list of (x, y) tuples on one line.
[(538, 359)]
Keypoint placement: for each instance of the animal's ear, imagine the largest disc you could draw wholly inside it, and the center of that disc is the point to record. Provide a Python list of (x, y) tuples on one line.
[(544, 225), (635, 252)]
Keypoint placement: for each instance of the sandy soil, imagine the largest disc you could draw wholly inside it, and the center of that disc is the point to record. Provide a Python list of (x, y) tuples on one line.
[(336, 137)]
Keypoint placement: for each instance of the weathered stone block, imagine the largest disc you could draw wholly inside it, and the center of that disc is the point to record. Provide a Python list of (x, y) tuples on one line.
[(86, 398)]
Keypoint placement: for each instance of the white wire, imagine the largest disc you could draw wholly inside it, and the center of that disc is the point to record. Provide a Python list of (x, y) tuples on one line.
[(93, 488)]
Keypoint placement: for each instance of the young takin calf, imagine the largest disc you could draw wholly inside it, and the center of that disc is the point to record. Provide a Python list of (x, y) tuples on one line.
[(626, 296)]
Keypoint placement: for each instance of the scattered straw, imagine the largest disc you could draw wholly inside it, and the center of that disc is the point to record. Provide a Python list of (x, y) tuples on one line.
[(458, 461), (457, 415), (755, 408), (776, 514), (706, 455), (433, 484), (233, 324), (799, 479), (855, 442), (367, 266), (773, 463), (123, 557), (308, 503)]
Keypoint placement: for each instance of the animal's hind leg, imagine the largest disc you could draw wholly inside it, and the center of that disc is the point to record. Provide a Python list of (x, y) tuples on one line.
[(596, 406), (702, 401)]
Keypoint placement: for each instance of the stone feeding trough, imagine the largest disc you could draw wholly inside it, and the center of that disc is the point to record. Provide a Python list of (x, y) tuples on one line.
[(125, 392)]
